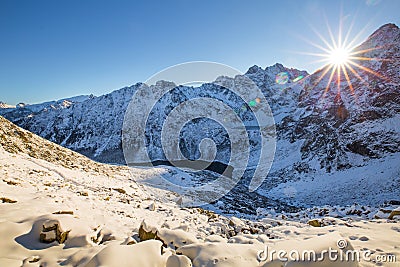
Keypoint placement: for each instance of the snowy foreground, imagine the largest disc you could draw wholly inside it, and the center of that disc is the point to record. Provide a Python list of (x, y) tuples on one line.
[(74, 217)]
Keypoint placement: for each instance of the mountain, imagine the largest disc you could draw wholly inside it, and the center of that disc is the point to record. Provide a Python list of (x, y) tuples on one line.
[(5, 105), (354, 122), (346, 128), (346, 134), (59, 208), (93, 127), (22, 110)]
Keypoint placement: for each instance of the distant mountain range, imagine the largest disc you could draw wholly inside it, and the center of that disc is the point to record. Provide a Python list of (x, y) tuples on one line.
[(320, 131), (5, 105)]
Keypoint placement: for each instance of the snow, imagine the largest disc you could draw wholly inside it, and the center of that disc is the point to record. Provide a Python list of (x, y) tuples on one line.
[(5, 106), (103, 224), (366, 185)]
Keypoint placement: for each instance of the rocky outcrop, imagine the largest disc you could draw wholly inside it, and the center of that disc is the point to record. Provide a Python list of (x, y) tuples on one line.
[(52, 231)]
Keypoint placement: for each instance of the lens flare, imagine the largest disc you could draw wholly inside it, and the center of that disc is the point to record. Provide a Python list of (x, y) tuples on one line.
[(298, 78), (252, 103), (282, 78)]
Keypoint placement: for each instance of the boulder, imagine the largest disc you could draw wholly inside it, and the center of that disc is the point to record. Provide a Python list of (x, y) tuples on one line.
[(52, 231)]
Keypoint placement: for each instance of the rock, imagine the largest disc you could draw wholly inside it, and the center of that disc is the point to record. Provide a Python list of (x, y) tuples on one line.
[(179, 201), (315, 223), (328, 221), (236, 222), (47, 237), (83, 193), (175, 238), (395, 212), (102, 235), (7, 200), (31, 259), (210, 214), (129, 241), (10, 182), (120, 190), (107, 235), (52, 231), (170, 238), (381, 215), (387, 211), (178, 261), (147, 232), (152, 206), (132, 242), (70, 212)]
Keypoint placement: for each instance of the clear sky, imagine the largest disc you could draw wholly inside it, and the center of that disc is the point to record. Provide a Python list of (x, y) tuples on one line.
[(55, 49)]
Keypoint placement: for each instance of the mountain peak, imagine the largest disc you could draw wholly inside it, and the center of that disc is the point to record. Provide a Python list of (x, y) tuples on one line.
[(253, 69), (386, 34), (388, 26), (276, 68), (277, 65)]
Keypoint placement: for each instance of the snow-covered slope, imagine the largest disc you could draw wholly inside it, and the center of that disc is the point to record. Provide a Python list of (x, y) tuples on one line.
[(14, 139)]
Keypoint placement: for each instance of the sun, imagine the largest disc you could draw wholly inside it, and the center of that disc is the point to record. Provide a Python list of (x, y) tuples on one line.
[(341, 59), (339, 56)]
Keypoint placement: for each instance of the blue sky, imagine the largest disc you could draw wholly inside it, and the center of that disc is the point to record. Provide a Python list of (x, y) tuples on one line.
[(55, 49)]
